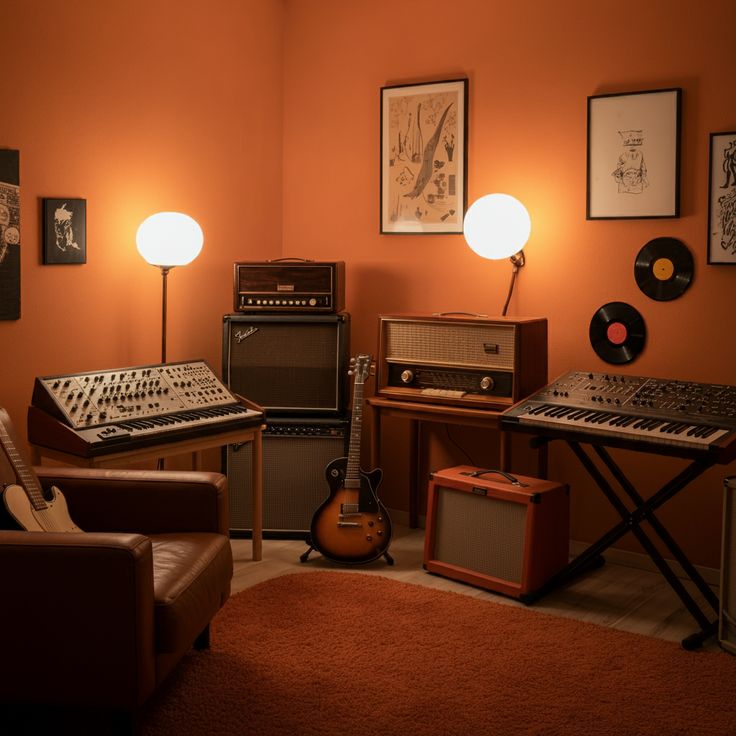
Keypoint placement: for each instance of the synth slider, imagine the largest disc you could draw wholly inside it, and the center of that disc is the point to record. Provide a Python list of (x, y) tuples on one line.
[(104, 411), (681, 418)]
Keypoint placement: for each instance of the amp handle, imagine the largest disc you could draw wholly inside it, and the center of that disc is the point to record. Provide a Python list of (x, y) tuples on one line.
[(301, 260), (461, 314), (512, 479)]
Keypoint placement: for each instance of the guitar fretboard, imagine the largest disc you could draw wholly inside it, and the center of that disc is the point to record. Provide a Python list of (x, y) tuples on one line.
[(25, 475)]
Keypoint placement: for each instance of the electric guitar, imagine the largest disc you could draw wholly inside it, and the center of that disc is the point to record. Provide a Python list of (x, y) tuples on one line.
[(352, 526), (25, 502)]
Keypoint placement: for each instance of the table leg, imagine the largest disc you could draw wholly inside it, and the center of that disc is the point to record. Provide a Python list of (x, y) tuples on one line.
[(414, 432), (257, 483)]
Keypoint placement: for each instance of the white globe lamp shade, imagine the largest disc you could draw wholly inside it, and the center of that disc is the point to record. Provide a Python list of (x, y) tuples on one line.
[(169, 239), (497, 226)]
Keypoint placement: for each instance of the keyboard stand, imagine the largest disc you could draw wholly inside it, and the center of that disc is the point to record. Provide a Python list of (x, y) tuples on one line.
[(631, 520)]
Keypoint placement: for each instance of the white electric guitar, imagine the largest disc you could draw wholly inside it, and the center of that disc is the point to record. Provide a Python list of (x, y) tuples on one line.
[(25, 502)]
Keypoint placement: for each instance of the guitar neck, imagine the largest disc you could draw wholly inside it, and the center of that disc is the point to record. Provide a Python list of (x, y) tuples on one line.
[(352, 468), (26, 476)]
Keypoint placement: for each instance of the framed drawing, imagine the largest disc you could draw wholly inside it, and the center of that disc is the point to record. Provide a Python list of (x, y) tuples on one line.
[(634, 155), (9, 234), (722, 199), (64, 231), (424, 157)]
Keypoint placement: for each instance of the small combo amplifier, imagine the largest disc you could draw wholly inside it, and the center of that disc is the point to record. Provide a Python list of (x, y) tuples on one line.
[(727, 612), (460, 359), (295, 455), (288, 363), (509, 534), (289, 285)]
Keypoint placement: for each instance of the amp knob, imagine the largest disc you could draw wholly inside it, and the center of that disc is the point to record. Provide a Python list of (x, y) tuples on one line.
[(407, 376), (486, 383)]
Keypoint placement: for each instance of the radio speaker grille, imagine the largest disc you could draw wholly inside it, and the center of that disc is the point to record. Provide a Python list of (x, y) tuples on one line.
[(288, 364), (295, 455)]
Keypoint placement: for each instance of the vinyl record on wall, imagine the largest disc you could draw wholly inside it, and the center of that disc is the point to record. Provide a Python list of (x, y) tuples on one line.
[(617, 332), (664, 268)]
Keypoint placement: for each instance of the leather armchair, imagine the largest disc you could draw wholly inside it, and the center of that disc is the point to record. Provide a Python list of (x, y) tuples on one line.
[(99, 619)]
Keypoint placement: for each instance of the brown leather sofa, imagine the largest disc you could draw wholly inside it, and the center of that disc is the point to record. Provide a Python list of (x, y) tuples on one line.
[(99, 619)]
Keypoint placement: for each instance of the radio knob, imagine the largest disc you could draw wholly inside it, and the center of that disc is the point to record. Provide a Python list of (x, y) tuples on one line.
[(312, 302), (407, 376), (487, 383)]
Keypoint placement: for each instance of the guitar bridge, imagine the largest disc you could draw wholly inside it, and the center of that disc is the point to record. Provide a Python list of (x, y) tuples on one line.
[(342, 523)]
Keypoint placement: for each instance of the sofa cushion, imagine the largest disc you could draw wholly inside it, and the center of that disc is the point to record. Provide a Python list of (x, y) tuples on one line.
[(191, 581)]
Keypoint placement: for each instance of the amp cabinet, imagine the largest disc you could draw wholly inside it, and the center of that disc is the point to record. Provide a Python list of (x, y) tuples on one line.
[(505, 533), (296, 452), (288, 364), (727, 612)]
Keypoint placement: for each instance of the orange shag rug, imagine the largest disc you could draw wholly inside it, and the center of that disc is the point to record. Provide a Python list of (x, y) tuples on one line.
[(347, 654)]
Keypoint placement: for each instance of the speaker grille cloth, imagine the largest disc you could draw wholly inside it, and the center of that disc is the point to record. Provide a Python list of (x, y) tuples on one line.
[(728, 594), (286, 365), (454, 344), (481, 534), (294, 481)]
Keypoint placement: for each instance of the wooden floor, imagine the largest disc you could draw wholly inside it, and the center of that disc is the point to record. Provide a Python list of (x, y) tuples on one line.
[(614, 595)]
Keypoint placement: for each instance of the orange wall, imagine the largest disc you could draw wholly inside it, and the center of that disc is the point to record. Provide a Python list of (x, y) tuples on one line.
[(137, 107), (531, 66)]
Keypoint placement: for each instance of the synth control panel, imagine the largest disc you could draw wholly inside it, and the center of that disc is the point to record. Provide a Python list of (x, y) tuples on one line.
[(697, 402), (84, 400)]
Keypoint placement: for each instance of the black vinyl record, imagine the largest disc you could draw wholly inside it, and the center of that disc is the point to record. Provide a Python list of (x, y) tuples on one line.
[(617, 332), (664, 268)]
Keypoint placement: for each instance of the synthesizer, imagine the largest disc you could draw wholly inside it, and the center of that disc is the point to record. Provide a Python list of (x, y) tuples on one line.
[(105, 411), (681, 418)]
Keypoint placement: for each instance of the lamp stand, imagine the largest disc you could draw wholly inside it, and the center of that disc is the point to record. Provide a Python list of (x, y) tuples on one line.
[(164, 273), (517, 261)]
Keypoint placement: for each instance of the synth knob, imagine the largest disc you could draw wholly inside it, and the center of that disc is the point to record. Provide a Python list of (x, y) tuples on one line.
[(486, 383), (407, 376)]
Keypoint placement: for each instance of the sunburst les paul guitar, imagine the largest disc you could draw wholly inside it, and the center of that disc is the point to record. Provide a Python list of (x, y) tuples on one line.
[(25, 502), (352, 526)]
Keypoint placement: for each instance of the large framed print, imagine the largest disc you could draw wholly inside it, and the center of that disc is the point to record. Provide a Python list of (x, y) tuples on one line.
[(722, 199), (424, 157), (634, 155)]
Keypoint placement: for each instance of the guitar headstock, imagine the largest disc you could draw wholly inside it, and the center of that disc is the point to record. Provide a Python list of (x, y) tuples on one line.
[(361, 367)]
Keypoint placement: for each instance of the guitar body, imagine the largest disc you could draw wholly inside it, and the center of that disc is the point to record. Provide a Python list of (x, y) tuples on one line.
[(351, 526), (54, 518)]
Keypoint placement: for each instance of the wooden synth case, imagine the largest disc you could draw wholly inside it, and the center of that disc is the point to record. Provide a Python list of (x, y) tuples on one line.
[(502, 532)]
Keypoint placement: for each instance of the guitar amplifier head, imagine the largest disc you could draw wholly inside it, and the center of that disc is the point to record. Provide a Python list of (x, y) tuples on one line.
[(289, 285), (288, 364), (461, 360)]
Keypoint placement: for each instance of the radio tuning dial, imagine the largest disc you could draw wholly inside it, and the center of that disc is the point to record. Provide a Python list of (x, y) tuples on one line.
[(486, 383), (407, 376)]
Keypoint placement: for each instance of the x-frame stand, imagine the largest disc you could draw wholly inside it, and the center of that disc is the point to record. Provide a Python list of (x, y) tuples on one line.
[(631, 521)]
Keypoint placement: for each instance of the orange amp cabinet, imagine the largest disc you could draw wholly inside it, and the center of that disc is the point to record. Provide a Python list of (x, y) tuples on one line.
[(505, 533)]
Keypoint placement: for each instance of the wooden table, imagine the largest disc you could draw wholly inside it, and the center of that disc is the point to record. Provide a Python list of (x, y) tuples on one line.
[(416, 413), (166, 449)]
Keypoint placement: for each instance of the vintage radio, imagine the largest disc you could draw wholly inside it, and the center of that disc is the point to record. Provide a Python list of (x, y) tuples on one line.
[(289, 285), (460, 359), (506, 533)]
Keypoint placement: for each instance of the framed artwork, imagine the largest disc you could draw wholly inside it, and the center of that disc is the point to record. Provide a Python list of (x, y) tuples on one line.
[(9, 234), (64, 231), (634, 155), (424, 157), (722, 199)]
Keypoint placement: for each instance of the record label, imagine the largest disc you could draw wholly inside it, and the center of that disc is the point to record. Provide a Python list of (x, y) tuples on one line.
[(664, 268), (617, 332)]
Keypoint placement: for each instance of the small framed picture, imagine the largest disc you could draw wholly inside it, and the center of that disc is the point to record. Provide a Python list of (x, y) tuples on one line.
[(634, 155), (424, 157), (64, 231), (722, 199)]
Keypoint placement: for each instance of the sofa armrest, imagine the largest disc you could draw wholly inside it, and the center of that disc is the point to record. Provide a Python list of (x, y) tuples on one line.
[(143, 501), (77, 618)]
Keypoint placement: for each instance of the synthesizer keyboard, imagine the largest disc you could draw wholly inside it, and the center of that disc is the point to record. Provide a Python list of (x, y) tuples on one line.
[(105, 411), (681, 418)]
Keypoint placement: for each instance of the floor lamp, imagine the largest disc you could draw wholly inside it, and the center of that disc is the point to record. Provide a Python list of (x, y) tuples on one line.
[(498, 226), (166, 240)]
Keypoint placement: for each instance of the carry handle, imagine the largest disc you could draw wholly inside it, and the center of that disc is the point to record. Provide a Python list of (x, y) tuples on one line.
[(460, 314), (301, 260), (510, 478)]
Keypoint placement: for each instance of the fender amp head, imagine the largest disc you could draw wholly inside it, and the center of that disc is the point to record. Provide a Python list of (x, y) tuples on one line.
[(289, 285), (288, 363), (461, 360)]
